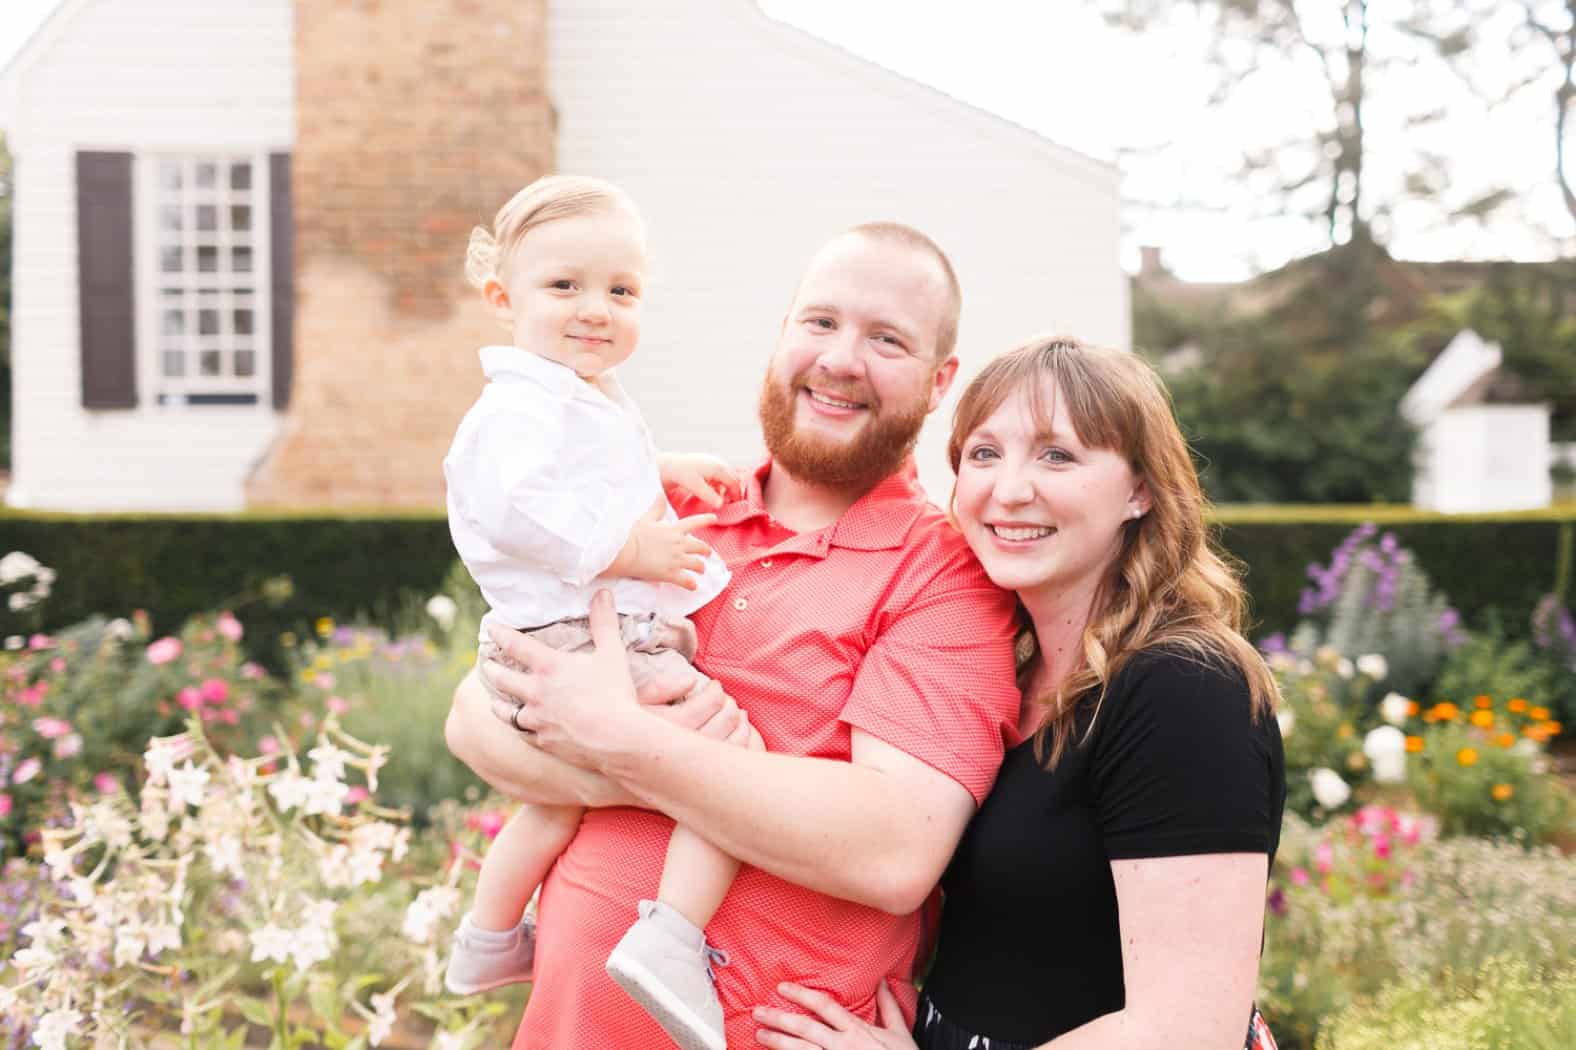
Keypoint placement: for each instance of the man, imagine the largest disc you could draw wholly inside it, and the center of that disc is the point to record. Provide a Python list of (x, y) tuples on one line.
[(868, 648)]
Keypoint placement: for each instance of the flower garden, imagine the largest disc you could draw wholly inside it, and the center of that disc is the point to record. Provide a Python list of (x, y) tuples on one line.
[(203, 852)]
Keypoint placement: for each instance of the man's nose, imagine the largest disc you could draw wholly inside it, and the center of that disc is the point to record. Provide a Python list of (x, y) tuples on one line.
[(840, 355)]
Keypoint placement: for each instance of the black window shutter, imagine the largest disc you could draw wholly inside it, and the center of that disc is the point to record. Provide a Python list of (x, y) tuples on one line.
[(105, 281), (282, 249)]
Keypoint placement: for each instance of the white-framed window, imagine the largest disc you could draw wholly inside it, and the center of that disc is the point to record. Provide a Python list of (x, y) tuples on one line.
[(202, 280)]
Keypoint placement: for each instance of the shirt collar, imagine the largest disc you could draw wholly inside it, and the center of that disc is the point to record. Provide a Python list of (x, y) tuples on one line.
[(511, 362), (878, 520)]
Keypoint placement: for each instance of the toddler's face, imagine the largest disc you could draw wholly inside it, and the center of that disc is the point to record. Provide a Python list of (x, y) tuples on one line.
[(574, 288)]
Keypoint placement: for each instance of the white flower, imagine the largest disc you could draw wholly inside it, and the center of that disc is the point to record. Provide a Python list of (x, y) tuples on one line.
[(120, 629), (53, 1027), (16, 601), (1394, 708), (17, 566), (289, 789), (1386, 748), (334, 867), (225, 855), (324, 796), (365, 866), (15, 642), (155, 813), (1329, 790), (1344, 668), (328, 762), (381, 1023), (442, 609), (1287, 720), (450, 1040), (188, 785), (310, 946), (130, 943), (162, 936), (271, 943), (1373, 665), (159, 760), (430, 905)]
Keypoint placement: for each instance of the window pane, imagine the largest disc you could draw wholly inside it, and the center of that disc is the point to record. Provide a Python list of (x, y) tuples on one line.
[(174, 363), (243, 322), (207, 175), (207, 322), (208, 363), (170, 260), (241, 260), (170, 217), (240, 217), (245, 363), (169, 174), (207, 217), (241, 175), (172, 322), (207, 259)]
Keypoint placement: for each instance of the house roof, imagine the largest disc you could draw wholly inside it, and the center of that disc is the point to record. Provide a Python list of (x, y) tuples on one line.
[(1467, 365)]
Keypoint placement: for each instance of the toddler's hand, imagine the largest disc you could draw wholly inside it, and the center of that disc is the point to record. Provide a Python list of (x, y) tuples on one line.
[(707, 478), (664, 551)]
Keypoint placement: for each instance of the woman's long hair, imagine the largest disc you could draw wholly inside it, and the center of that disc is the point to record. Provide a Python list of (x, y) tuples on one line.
[(1168, 585)]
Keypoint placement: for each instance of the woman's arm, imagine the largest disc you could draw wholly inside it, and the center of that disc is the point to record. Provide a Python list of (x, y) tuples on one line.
[(1191, 929)]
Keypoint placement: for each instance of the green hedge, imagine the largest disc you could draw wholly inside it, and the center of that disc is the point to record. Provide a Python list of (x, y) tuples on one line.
[(345, 566)]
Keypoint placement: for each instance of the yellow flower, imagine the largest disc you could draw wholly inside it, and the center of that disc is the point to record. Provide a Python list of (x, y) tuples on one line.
[(1501, 792), (1540, 714), (1346, 731), (1467, 756), (1517, 705), (1483, 701), (325, 626), (1414, 744), (1482, 719), (1505, 739)]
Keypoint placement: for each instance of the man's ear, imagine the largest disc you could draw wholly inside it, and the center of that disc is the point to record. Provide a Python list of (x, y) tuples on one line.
[(497, 299), (946, 372)]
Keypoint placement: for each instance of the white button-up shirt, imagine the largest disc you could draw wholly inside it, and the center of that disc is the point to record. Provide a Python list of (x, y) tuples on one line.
[(547, 475)]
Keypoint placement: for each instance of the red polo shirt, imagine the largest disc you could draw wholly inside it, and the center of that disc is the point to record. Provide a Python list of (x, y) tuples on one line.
[(881, 621)]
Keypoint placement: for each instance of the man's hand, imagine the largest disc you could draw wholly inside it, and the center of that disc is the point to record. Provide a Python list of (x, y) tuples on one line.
[(707, 478), (663, 551)]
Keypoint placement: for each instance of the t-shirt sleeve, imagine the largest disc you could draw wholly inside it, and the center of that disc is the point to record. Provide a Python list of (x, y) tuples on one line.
[(1179, 765), (938, 682)]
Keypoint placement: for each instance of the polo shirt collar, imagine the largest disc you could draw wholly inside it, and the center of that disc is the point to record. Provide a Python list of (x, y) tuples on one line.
[(506, 363), (878, 520)]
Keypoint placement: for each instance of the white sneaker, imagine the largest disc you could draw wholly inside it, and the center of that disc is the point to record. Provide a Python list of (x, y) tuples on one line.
[(664, 963), (487, 959)]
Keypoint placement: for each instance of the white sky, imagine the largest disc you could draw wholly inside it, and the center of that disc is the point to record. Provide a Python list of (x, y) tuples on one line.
[(1055, 68)]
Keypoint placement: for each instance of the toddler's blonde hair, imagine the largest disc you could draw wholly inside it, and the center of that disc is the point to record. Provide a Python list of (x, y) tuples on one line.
[(549, 198)]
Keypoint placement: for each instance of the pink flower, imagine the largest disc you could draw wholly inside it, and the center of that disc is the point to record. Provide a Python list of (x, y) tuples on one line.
[(216, 690), (58, 664), (164, 650), (229, 626), (1299, 876), (189, 698), (5, 806), (106, 784), (229, 716), (251, 670), (40, 641), (26, 770), (50, 728), (1324, 858), (268, 745), (32, 696), (1382, 847), (69, 746), (357, 794), (324, 681), (337, 705), (489, 823)]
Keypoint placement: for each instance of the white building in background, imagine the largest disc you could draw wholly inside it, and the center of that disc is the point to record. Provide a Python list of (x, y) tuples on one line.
[(1476, 452)]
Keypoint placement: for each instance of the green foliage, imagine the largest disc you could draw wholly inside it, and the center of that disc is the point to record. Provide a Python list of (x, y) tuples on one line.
[(1531, 314), (1508, 1005), (1489, 663), (345, 567)]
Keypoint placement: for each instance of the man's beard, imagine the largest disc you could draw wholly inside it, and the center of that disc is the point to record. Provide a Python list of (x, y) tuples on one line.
[(859, 463)]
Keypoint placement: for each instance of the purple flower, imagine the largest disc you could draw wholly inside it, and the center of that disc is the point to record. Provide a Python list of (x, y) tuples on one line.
[(1275, 643)]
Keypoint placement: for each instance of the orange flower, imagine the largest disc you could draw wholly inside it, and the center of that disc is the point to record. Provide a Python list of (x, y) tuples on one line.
[(1412, 708), (1345, 732), (1552, 728), (1414, 744), (1443, 712), (1467, 756), (1517, 705), (1483, 700), (1540, 714), (1482, 719), (1506, 740), (1501, 792)]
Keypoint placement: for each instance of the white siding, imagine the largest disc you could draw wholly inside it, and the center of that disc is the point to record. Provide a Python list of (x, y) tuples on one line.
[(747, 143), (1485, 458), (143, 76)]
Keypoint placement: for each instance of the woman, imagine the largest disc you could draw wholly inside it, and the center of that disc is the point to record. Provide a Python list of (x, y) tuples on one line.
[(1109, 893)]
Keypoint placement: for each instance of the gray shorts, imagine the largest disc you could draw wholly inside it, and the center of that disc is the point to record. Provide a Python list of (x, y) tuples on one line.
[(656, 648)]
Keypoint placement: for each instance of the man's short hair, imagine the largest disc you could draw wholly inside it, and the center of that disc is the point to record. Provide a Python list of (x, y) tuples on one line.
[(908, 237)]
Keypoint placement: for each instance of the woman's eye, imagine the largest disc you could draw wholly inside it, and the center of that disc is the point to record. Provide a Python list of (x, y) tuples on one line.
[(980, 452), (1056, 455)]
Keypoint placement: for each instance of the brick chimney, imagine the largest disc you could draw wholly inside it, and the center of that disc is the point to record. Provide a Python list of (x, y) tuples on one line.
[(415, 120)]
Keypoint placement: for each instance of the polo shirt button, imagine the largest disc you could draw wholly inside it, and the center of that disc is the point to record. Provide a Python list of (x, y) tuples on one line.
[(741, 604), (766, 563)]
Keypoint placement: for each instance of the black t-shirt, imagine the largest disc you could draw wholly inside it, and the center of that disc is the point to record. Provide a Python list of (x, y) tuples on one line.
[(1030, 947)]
